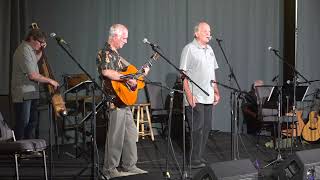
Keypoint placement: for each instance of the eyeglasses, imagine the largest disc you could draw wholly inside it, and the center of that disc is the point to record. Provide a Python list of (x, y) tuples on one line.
[(41, 42)]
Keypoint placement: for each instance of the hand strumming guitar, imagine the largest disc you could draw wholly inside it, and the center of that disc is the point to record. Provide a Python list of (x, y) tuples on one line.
[(132, 83)]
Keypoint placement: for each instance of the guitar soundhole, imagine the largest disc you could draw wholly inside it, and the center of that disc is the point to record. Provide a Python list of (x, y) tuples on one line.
[(311, 128)]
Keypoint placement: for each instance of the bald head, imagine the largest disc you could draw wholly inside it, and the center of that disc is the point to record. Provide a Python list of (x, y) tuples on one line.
[(200, 25), (202, 33), (258, 83)]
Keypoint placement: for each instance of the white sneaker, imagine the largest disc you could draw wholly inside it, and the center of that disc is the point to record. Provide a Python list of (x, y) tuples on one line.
[(114, 173), (135, 170)]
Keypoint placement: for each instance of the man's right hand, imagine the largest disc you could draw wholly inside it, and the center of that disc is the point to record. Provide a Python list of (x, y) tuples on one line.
[(192, 101), (132, 83), (54, 83)]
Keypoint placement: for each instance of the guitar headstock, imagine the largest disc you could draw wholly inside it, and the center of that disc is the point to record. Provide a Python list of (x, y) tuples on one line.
[(34, 25), (155, 56)]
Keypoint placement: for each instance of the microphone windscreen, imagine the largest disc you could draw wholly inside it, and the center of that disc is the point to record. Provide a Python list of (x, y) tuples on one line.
[(52, 34)]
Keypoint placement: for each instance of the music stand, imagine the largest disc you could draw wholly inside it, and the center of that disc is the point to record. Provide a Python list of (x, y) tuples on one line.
[(276, 96), (273, 94), (301, 92), (265, 107), (278, 92), (75, 89), (288, 92), (264, 91), (263, 95), (78, 87)]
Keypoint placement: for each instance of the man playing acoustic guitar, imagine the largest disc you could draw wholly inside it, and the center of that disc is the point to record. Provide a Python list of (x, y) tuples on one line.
[(121, 130)]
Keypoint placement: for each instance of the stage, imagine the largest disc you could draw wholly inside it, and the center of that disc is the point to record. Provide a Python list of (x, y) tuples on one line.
[(152, 157)]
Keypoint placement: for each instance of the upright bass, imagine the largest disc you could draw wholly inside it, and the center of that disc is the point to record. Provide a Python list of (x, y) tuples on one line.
[(57, 101)]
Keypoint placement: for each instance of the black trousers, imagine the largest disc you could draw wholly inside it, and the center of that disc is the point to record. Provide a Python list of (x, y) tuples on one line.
[(199, 128)]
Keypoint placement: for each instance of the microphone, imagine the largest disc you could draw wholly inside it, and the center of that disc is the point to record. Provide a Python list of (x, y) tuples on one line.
[(272, 49), (291, 82), (317, 93), (145, 41), (275, 78), (59, 39), (218, 40)]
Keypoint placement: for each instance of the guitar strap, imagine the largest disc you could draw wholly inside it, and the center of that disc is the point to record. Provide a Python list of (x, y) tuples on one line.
[(124, 61), (106, 56)]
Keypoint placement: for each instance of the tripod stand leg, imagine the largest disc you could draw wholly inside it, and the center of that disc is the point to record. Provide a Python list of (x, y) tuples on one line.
[(279, 158)]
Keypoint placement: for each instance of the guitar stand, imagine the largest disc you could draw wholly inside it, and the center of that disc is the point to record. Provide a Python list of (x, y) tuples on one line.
[(279, 157)]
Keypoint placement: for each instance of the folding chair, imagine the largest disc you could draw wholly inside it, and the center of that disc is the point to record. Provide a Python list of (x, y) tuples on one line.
[(10, 146)]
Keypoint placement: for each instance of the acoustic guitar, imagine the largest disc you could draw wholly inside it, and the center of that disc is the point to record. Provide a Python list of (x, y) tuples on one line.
[(311, 131), (295, 130), (125, 95)]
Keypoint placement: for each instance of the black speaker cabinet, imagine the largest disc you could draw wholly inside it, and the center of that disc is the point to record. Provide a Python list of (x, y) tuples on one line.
[(148, 176), (228, 170), (303, 165)]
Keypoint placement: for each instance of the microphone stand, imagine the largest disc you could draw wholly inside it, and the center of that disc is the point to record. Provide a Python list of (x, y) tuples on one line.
[(296, 72), (279, 158), (169, 142), (234, 102), (94, 158), (156, 49)]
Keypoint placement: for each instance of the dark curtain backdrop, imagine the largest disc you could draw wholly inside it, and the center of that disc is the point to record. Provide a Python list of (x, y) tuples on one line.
[(308, 42), (247, 27)]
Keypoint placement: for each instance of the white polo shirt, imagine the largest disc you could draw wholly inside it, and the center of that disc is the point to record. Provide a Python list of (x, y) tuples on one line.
[(199, 64)]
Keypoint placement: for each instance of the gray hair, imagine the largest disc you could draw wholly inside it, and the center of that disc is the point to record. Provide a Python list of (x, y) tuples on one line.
[(116, 29), (196, 27)]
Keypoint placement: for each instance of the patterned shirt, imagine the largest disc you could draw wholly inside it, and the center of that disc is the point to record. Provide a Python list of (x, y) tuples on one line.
[(109, 59)]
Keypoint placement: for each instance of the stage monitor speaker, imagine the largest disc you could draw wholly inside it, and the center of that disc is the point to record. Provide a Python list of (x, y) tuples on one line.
[(228, 170), (303, 165), (148, 176)]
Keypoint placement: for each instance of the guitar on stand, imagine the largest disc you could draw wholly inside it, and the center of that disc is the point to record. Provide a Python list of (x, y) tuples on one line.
[(295, 128), (311, 130)]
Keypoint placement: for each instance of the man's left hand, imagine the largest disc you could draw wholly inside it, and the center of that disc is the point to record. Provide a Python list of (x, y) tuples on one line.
[(216, 98), (146, 70)]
